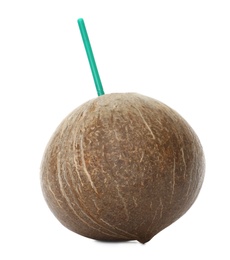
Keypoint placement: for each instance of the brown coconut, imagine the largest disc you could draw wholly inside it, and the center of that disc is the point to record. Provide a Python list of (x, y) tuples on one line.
[(122, 167)]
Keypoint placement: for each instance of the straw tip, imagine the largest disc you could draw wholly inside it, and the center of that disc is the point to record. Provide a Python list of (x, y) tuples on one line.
[(80, 20)]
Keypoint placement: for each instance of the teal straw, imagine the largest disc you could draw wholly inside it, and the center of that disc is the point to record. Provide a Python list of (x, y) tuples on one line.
[(90, 56)]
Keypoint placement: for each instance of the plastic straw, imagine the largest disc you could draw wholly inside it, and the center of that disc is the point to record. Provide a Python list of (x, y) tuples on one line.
[(90, 56)]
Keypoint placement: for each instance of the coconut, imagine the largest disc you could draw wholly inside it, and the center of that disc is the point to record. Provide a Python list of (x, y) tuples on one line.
[(122, 167)]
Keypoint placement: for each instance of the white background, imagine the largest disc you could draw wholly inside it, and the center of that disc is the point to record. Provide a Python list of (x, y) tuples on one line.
[(175, 51)]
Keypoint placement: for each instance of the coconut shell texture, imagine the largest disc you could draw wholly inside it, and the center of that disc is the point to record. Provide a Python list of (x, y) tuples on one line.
[(122, 167)]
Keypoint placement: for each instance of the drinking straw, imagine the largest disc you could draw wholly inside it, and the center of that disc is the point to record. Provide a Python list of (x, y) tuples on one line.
[(90, 56)]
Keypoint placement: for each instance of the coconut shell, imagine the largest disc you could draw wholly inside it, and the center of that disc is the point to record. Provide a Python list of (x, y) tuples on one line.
[(122, 167)]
